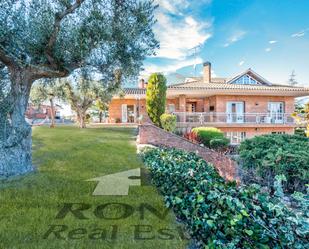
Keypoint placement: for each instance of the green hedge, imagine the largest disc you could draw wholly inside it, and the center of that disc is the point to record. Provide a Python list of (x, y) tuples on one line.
[(168, 122), (269, 155), (206, 134), (219, 143), (219, 214)]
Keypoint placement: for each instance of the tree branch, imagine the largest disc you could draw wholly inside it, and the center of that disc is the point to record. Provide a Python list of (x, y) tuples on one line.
[(7, 60), (42, 72), (52, 39)]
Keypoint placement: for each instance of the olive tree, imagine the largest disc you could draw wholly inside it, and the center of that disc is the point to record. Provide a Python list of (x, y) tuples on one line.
[(47, 90), (83, 92), (51, 39)]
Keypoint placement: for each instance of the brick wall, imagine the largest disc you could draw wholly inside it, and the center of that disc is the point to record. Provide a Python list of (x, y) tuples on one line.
[(115, 110), (254, 104), (252, 132), (150, 134)]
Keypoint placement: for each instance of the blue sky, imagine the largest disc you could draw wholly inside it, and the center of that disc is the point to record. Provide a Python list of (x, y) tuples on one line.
[(269, 36)]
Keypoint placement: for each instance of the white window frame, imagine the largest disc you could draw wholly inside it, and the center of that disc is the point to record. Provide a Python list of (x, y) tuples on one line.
[(171, 108), (124, 113), (242, 80), (276, 116), (236, 137), (238, 116)]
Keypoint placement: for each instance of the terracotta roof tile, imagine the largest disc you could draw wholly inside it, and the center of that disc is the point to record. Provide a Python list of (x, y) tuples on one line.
[(135, 91), (202, 85)]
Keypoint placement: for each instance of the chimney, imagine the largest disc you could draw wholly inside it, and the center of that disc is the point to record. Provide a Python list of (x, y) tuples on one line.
[(141, 83), (207, 72)]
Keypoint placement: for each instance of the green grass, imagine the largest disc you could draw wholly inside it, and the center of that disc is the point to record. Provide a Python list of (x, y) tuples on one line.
[(65, 157)]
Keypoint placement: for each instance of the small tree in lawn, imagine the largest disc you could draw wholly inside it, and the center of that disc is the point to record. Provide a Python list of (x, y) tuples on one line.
[(46, 90), (156, 97), (54, 38), (83, 92), (100, 108)]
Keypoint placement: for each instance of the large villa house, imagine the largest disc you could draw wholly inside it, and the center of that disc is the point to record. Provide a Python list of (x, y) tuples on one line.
[(242, 107)]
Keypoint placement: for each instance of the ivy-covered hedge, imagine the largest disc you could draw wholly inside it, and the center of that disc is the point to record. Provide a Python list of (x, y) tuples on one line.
[(220, 214), (266, 156)]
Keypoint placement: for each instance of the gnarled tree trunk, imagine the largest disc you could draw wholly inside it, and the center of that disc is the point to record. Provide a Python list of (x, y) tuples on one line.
[(101, 116), (52, 113), (81, 117), (15, 147)]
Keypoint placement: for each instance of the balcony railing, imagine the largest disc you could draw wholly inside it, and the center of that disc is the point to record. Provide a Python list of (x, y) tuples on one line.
[(233, 118)]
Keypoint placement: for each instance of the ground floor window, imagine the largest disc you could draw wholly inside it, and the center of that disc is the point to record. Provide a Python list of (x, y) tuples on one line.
[(236, 137), (191, 107), (278, 132), (171, 108)]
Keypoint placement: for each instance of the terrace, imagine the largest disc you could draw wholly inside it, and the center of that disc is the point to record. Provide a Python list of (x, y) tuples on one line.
[(234, 119)]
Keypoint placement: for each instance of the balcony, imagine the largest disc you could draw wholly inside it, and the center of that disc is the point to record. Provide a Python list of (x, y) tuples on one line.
[(234, 119)]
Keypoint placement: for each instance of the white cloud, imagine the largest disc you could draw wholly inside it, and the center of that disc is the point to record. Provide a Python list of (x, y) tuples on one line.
[(235, 37), (177, 33), (267, 49), (177, 6), (174, 8), (177, 37), (298, 34), (272, 42), (241, 63), (171, 67)]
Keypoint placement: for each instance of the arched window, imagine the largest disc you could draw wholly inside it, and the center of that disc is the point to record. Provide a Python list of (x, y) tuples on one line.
[(246, 80)]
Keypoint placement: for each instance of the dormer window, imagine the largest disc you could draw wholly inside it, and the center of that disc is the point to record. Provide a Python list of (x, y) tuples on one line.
[(246, 80)]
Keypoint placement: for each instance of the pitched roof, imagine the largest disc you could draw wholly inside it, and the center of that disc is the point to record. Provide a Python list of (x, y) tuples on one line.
[(225, 84), (253, 74), (201, 85)]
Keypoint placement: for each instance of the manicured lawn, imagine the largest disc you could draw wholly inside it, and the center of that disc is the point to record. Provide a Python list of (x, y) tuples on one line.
[(65, 157)]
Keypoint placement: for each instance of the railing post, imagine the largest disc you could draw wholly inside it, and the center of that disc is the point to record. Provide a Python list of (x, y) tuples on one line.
[(201, 118), (258, 118)]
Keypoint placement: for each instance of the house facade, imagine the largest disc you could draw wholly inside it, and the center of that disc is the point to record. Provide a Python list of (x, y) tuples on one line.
[(42, 112), (242, 107)]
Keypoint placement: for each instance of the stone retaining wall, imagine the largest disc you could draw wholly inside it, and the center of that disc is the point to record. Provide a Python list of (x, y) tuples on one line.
[(150, 134)]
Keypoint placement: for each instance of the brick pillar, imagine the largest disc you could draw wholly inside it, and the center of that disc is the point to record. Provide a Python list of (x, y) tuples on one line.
[(182, 107)]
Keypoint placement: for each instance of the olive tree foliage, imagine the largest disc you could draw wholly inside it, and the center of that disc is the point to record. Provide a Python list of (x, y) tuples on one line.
[(53, 38)]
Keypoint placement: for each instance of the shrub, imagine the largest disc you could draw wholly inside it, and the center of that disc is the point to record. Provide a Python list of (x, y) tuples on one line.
[(270, 155), (300, 132), (220, 214), (168, 122), (156, 97), (219, 143), (206, 134), (191, 136)]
